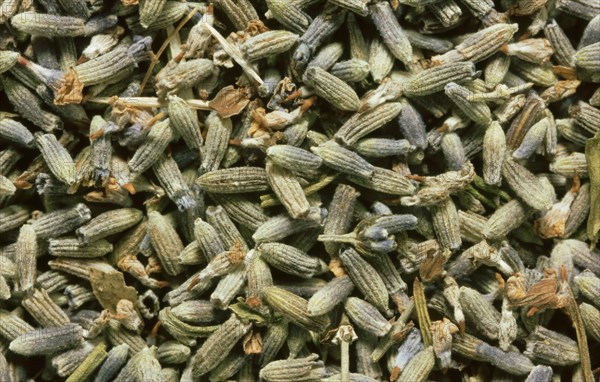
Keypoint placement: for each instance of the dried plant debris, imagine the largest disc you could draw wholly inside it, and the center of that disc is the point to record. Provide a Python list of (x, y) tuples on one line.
[(299, 190)]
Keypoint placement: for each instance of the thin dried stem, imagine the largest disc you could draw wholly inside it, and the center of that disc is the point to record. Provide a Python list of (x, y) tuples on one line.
[(148, 102), (163, 47), (422, 313), (236, 55)]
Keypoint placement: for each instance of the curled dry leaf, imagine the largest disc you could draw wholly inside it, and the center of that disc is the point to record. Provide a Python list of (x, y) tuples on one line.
[(229, 101), (256, 27), (548, 293), (243, 310), (560, 90), (71, 90)]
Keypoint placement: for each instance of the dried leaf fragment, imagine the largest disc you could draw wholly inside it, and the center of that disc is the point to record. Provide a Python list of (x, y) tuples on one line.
[(110, 288), (548, 293), (229, 101), (71, 90), (252, 343), (245, 313), (336, 267), (432, 267)]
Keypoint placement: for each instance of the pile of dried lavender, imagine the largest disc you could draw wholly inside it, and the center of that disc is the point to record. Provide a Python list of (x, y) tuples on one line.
[(299, 190)]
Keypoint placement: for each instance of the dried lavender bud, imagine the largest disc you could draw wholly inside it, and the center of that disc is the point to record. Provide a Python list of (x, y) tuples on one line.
[(478, 112), (351, 71), (234, 180), (294, 369), (366, 316), (332, 89), (166, 242), (58, 158), (273, 341), (48, 340), (479, 313), (56, 26), (433, 80), (293, 158), (392, 33), (533, 139), (343, 160), (288, 190), (61, 221), (492, 194), (419, 367), (45, 311), (381, 60), (291, 260), (289, 15), (511, 362), (268, 44), (362, 124), (526, 185), (116, 359), (551, 348), (107, 224), (294, 308), (366, 279), (479, 45), (113, 66), (319, 30), (185, 122)]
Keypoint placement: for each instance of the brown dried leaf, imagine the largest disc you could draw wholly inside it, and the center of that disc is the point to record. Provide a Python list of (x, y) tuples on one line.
[(229, 101), (432, 267), (110, 288), (402, 333), (545, 294), (566, 72), (254, 302), (560, 90), (329, 336), (22, 184), (129, 2), (252, 343), (515, 288), (336, 267), (71, 90), (256, 27), (236, 253)]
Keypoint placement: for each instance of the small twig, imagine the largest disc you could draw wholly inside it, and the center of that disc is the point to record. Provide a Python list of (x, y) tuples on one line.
[(422, 313), (479, 196), (163, 47), (479, 183), (574, 314), (148, 102), (236, 55), (344, 337), (176, 51)]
